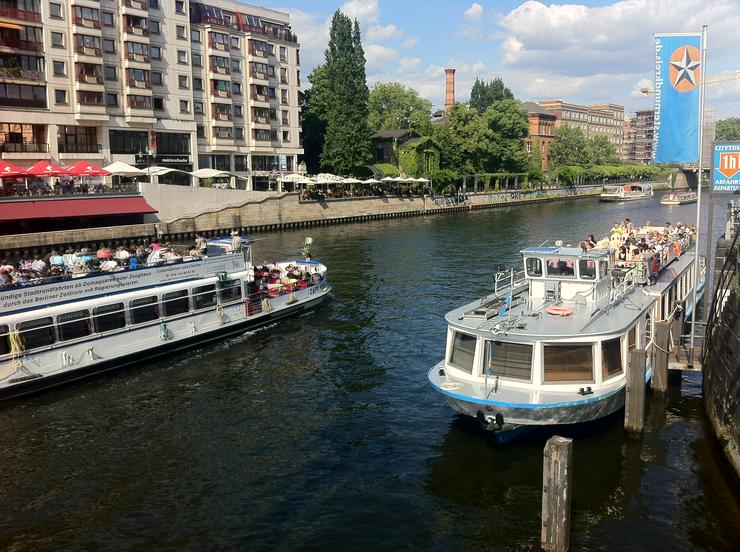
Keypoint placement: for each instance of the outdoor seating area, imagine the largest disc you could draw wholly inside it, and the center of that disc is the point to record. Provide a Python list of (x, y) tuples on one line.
[(329, 186), (48, 179)]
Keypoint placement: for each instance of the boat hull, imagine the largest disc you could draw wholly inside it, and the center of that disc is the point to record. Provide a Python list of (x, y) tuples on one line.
[(616, 198), (42, 383)]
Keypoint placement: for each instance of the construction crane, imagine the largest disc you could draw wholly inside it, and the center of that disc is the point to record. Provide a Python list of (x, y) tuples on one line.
[(714, 79)]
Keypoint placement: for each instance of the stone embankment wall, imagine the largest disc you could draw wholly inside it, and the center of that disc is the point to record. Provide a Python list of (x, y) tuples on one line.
[(721, 387)]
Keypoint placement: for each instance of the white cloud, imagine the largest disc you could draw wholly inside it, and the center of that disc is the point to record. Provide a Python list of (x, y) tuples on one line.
[(409, 64), (474, 12), (379, 57), (367, 12), (637, 88), (382, 32), (410, 42)]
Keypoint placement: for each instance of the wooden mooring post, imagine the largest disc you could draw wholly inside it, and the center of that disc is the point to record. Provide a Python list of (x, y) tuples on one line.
[(634, 400), (557, 483), (659, 383)]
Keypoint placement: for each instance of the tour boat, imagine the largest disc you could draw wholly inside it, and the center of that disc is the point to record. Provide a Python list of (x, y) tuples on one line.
[(679, 198), (551, 344), (56, 331), (626, 192)]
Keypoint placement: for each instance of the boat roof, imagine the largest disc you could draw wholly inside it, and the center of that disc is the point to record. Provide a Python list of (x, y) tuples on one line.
[(564, 251)]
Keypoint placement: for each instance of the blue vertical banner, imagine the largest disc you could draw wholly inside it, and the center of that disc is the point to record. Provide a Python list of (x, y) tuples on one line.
[(677, 78)]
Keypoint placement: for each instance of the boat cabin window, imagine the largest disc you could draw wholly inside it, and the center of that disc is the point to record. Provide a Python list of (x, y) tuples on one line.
[(143, 310), (534, 266), (562, 268), (587, 269), (73, 325), (230, 290), (36, 333), (648, 329), (4, 340), (204, 296), (463, 351), (512, 360), (603, 269), (611, 358), (569, 363), (109, 317), (632, 338), (175, 302)]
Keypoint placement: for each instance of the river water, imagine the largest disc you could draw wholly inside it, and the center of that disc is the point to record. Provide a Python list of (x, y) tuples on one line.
[(321, 432)]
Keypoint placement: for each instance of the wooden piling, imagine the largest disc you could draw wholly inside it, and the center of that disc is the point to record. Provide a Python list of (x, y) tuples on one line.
[(659, 383), (557, 483), (634, 400)]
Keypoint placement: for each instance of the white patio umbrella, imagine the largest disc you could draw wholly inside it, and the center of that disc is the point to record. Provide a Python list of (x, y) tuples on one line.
[(209, 173), (351, 180), (325, 178), (387, 179), (123, 169), (420, 179), (371, 181), (293, 177)]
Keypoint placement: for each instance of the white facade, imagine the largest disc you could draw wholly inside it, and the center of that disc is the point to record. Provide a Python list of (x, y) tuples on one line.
[(212, 84)]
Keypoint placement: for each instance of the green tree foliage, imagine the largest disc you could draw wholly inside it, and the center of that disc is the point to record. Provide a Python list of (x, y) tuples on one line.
[(484, 94), (603, 151), (347, 138), (508, 123), (394, 106), (315, 107), (534, 168), (570, 147), (728, 129)]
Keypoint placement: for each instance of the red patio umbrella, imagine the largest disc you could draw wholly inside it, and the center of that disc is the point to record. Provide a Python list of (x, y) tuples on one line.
[(45, 168), (11, 171), (83, 168)]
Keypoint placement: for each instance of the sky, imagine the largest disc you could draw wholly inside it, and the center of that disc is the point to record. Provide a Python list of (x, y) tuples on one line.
[(588, 52)]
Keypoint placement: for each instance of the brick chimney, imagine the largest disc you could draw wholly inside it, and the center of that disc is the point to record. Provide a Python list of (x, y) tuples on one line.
[(449, 88)]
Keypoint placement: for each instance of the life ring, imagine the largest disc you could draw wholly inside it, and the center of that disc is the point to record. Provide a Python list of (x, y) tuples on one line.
[(559, 310)]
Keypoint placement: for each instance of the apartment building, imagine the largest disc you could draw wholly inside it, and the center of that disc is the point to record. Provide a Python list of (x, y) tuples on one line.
[(172, 83), (593, 119), (639, 137)]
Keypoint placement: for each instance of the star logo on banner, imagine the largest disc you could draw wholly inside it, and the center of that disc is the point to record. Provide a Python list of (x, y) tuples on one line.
[(684, 68)]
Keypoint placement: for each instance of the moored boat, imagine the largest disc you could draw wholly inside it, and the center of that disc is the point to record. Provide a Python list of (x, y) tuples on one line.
[(69, 326), (679, 198), (626, 192), (551, 344)]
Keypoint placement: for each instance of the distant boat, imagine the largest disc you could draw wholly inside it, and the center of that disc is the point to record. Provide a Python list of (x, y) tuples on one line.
[(626, 192), (679, 198)]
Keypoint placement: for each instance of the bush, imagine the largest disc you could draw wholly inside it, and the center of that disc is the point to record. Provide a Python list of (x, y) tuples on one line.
[(445, 181), (388, 169)]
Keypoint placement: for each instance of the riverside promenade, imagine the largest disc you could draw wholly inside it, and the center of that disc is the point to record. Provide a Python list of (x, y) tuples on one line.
[(285, 211)]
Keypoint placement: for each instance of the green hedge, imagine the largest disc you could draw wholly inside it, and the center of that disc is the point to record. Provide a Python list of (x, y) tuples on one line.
[(388, 169)]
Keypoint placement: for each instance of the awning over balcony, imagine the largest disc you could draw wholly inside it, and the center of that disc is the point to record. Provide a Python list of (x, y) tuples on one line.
[(66, 208)]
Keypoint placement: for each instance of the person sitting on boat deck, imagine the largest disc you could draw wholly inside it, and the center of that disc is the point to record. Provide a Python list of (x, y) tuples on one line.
[(122, 255), (236, 242), (616, 229), (201, 244), (622, 254), (591, 241), (38, 264), (155, 256)]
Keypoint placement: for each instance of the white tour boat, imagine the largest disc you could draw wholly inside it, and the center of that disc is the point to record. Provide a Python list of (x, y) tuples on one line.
[(626, 192), (551, 345), (56, 331), (679, 198)]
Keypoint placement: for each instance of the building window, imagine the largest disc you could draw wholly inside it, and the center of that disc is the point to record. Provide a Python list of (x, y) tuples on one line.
[(156, 52), (234, 43), (283, 75), (283, 53), (197, 83), (182, 81), (60, 96), (90, 98), (156, 78), (153, 4), (179, 6), (286, 136), (158, 103), (236, 65), (194, 35), (239, 133), (284, 96), (236, 88), (182, 56), (240, 163), (55, 10), (197, 60), (109, 46), (238, 112), (180, 30), (107, 19), (110, 72), (111, 100), (184, 106), (153, 27), (139, 102), (57, 40), (198, 107), (200, 131), (60, 69)]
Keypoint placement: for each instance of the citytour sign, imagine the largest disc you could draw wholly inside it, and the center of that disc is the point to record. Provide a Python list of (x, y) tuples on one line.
[(726, 167)]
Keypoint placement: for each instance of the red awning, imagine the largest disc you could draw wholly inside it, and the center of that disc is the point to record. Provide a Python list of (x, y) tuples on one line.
[(45, 168), (83, 168), (11, 171), (66, 208)]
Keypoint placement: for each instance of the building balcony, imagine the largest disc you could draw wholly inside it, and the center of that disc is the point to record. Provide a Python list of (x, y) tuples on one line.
[(16, 43), (140, 84), (259, 53), (83, 51), (24, 147), (23, 15), (138, 58), (218, 45), (79, 148), (260, 120), (23, 102), (21, 74), (142, 5), (220, 70), (87, 23), (259, 98), (221, 93), (221, 116), (136, 32), (90, 79)]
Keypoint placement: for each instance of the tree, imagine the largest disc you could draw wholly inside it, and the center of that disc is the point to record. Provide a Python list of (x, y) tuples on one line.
[(465, 140), (569, 147), (314, 109), (347, 139), (602, 151), (394, 106), (509, 124), (728, 129), (484, 94)]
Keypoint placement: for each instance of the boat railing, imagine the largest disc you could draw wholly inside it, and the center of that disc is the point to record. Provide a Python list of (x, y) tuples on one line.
[(508, 280)]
